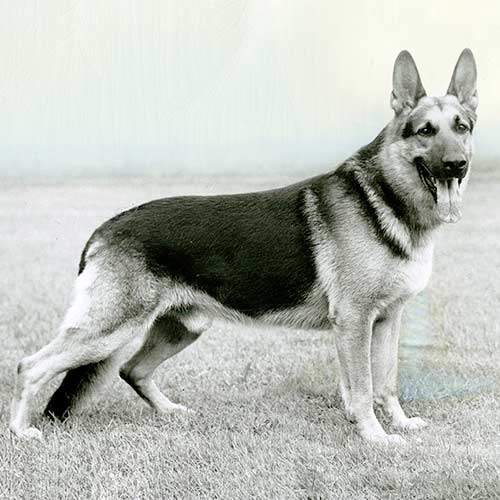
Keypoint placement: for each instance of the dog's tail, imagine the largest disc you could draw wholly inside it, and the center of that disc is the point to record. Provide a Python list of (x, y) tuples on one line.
[(79, 387)]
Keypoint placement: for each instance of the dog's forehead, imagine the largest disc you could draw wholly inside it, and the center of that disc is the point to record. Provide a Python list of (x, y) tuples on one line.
[(437, 109)]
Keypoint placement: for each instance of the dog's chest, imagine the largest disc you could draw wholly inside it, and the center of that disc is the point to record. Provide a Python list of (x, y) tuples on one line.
[(411, 276)]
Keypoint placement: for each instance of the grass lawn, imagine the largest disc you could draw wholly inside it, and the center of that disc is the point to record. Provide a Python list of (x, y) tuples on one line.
[(268, 423)]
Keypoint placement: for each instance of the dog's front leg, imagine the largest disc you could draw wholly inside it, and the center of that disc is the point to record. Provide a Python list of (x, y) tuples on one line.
[(384, 355), (352, 339)]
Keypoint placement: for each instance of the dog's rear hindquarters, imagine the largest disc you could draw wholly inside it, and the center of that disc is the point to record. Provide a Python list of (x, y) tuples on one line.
[(115, 302), (98, 308)]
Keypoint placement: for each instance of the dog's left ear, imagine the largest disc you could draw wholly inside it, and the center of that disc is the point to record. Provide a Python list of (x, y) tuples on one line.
[(463, 81), (407, 87)]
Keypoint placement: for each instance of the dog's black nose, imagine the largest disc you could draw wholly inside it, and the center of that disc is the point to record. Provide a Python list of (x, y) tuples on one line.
[(455, 166)]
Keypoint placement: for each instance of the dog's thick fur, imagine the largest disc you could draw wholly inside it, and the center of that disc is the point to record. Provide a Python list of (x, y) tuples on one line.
[(343, 250)]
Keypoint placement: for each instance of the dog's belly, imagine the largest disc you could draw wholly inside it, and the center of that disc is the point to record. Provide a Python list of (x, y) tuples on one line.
[(311, 313)]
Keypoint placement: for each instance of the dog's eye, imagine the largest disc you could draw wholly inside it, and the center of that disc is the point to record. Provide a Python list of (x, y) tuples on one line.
[(461, 128), (425, 131)]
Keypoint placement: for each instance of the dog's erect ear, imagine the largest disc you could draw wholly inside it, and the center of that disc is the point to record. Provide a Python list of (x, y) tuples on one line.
[(463, 81), (407, 87)]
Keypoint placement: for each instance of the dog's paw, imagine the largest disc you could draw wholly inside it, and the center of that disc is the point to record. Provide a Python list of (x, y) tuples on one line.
[(170, 407), (30, 433), (183, 409), (410, 424), (395, 439), (378, 436), (385, 439)]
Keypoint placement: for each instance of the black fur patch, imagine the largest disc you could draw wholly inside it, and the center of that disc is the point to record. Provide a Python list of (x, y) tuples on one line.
[(251, 252), (407, 130), (471, 122), (393, 200), (83, 256), (320, 191), (352, 187), (73, 387)]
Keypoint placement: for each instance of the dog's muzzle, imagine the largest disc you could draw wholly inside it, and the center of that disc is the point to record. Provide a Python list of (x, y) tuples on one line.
[(444, 186)]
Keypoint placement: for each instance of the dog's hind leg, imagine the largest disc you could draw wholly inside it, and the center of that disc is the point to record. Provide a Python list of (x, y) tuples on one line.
[(80, 385), (105, 315), (384, 356), (71, 349), (167, 336)]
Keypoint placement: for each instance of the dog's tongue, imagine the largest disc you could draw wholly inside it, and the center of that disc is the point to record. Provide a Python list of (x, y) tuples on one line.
[(448, 200)]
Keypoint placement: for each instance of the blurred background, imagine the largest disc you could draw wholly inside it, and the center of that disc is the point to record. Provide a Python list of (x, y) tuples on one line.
[(221, 86)]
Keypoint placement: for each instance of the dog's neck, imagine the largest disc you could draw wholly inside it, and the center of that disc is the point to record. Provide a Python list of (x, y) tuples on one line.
[(392, 197), (397, 181)]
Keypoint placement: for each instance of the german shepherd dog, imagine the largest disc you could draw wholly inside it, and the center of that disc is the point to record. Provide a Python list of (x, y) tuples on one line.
[(344, 250)]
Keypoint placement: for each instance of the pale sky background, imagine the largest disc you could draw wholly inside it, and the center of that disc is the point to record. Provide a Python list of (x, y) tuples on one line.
[(231, 86)]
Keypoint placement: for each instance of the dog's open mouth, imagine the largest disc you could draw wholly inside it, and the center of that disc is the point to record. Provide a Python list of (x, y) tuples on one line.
[(445, 192), (428, 180)]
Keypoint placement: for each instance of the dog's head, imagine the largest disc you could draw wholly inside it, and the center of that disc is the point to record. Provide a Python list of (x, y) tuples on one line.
[(433, 135)]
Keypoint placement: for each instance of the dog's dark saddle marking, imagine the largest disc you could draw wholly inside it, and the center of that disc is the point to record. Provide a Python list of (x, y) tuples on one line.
[(252, 252)]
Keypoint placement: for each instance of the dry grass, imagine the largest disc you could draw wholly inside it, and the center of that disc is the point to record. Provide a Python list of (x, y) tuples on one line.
[(267, 422)]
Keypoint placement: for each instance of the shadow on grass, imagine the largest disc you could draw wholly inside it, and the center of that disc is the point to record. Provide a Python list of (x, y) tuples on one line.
[(421, 376)]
